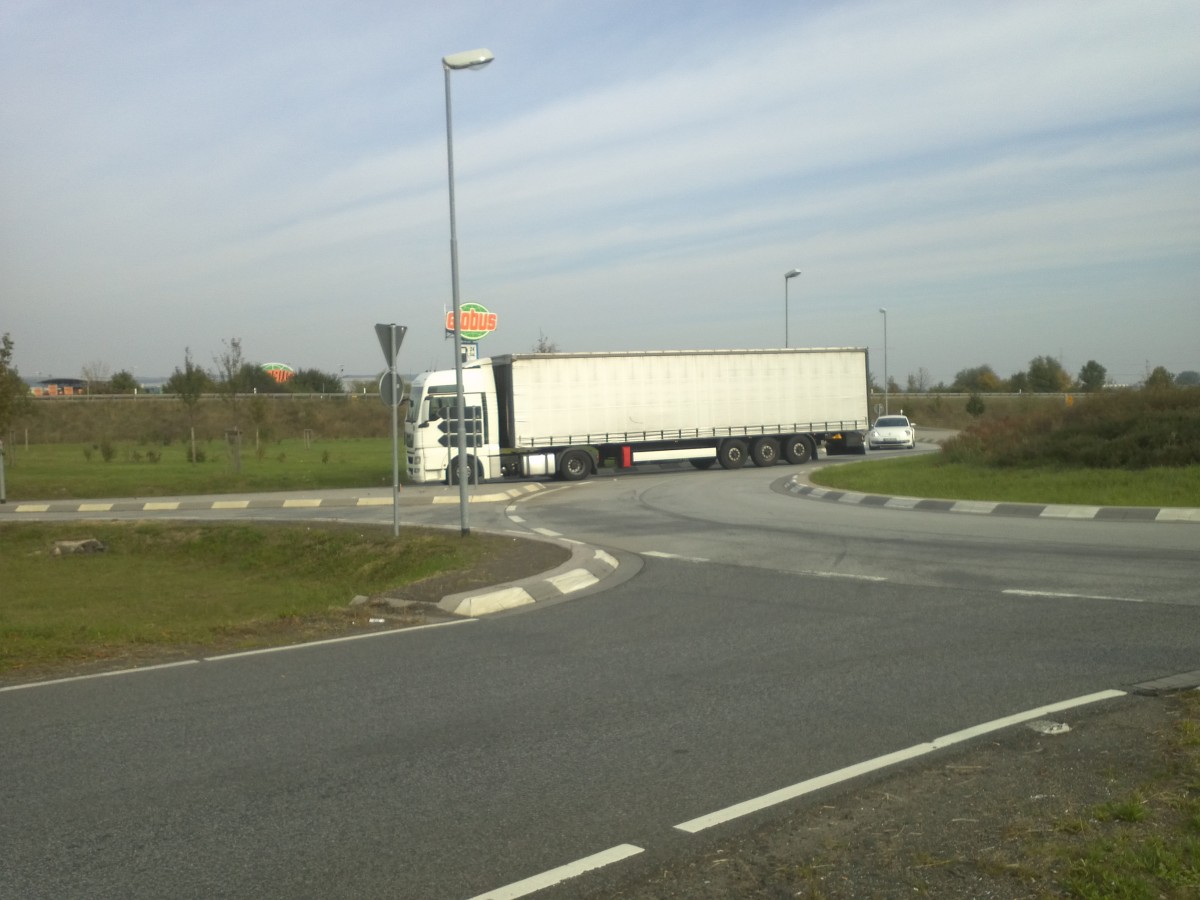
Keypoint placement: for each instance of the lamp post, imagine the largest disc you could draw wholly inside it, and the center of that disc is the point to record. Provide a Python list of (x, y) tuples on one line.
[(885, 361), (787, 276), (469, 59)]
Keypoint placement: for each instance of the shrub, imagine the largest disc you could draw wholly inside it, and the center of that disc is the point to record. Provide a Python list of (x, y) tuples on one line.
[(1128, 430)]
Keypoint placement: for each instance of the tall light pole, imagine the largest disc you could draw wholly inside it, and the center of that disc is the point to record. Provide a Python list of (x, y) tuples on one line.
[(469, 59), (787, 276), (885, 366)]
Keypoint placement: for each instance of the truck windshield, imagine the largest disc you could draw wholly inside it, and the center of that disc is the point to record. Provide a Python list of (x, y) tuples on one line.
[(439, 402)]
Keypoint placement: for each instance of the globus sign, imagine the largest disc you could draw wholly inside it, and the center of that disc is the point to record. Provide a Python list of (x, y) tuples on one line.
[(477, 322)]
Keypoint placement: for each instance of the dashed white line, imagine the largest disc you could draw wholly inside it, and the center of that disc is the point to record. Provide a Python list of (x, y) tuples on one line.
[(562, 873), (1059, 595), (660, 554)]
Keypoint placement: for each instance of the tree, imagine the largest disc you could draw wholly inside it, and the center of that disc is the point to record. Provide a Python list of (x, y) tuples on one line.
[(314, 381), (1092, 376), (189, 385), (123, 382), (1047, 376), (975, 406), (919, 383), (231, 374), (14, 393), (1160, 378), (96, 374), (1188, 378), (979, 380), (544, 344)]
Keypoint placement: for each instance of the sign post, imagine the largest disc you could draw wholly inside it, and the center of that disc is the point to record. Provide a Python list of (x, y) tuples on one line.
[(390, 336)]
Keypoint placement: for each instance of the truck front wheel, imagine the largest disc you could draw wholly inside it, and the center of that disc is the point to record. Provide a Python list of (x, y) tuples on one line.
[(472, 471), (574, 465), (732, 454)]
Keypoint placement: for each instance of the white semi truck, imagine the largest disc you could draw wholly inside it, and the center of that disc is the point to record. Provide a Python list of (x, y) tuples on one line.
[(566, 414)]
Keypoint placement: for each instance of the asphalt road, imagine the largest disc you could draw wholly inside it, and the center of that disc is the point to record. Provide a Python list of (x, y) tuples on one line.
[(765, 639)]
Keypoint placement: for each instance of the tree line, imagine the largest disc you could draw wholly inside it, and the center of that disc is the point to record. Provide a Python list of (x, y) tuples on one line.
[(1045, 375)]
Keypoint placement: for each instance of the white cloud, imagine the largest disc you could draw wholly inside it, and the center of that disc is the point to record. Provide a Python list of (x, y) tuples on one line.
[(988, 170)]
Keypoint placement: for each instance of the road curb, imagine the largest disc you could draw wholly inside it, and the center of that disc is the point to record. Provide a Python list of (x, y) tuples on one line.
[(1171, 514), (586, 568), (311, 500)]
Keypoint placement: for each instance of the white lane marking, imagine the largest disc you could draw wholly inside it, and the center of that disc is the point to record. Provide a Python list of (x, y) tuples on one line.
[(822, 781), (302, 503), (95, 507), (546, 532), (562, 873), (164, 505), (375, 501), (659, 554), (32, 507), (515, 518), (33, 684), (231, 504), (338, 640), (848, 575), (1016, 592)]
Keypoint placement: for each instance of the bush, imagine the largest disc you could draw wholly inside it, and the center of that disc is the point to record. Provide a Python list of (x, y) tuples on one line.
[(1125, 430)]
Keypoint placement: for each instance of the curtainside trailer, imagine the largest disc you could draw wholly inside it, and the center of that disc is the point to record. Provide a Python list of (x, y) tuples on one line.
[(566, 414)]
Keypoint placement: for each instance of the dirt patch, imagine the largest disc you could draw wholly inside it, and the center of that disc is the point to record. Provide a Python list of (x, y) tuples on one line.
[(1014, 816)]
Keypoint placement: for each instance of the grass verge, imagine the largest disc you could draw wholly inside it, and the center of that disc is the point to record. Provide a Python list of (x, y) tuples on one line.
[(929, 476), (163, 588), (128, 469)]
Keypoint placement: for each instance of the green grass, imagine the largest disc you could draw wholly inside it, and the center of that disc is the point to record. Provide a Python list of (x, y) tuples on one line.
[(80, 471), (928, 476), (171, 585)]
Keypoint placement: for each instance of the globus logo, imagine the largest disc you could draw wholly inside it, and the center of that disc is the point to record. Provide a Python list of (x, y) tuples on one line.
[(477, 322)]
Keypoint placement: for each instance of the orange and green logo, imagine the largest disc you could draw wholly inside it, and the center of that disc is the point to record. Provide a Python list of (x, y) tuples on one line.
[(477, 322)]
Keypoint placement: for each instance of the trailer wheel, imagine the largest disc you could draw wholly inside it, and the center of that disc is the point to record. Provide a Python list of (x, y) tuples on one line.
[(703, 462), (574, 465), (732, 454), (765, 451), (798, 449)]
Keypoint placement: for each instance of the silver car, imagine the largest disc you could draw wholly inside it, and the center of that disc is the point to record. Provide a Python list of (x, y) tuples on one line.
[(892, 431)]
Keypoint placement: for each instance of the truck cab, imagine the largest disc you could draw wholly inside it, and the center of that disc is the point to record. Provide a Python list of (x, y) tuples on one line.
[(431, 425)]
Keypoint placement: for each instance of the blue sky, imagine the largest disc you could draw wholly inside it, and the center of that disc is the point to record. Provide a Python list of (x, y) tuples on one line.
[(1009, 180)]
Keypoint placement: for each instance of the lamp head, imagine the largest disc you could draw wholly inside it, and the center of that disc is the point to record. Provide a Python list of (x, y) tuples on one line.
[(468, 59), (791, 274)]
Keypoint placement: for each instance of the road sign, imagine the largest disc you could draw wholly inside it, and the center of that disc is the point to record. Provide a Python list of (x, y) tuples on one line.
[(391, 389), (390, 337)]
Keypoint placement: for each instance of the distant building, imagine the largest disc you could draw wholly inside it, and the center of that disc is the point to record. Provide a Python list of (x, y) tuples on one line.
[(59, 387)]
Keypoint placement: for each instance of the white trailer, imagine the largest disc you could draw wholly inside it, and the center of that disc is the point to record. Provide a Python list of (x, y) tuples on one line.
[(565, 414)]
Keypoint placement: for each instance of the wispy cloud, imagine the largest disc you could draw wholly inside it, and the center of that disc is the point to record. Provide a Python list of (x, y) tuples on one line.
[(1007, 178)]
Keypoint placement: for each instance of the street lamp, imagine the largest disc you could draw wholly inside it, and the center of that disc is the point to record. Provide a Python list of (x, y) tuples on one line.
[(470, 59), (787, 276), (885, 364)]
